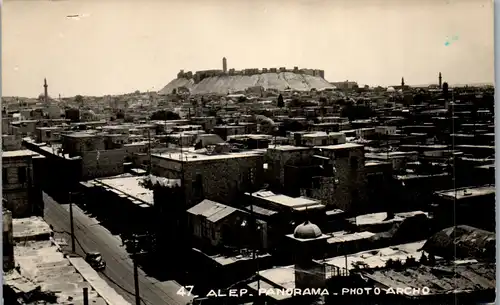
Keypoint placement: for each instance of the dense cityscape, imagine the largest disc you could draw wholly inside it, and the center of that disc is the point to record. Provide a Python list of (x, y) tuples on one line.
[(259, 186)]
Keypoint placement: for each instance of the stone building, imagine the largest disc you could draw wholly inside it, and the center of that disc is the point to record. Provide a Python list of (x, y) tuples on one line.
[(21, 182), (48, 134), (350, 184), (101, 155), (215, 224), (212, 175), (11, 142)]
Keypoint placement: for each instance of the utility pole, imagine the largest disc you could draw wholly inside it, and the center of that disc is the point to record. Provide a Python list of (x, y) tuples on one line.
[(136, 268), (149, 150), (136, 280), (85, 296), (71, 223)]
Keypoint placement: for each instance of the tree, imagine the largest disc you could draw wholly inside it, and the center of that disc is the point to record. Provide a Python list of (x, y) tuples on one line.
[(79, 99), (120, 115), (357, 112), (445, 90), (164, 115), (128, 119), (423, 259), (281, 103)]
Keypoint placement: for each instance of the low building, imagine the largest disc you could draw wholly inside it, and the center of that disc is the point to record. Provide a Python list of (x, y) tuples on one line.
[(217, 224), (44, 274), (48, 134), (473, 206), (11, 142), (21, 182), (221, 177), (225, 131)]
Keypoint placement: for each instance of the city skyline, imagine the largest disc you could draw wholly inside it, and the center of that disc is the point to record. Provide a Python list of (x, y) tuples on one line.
[(92, 54)]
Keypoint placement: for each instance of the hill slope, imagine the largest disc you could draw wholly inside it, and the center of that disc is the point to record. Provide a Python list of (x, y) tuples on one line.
[(227, 84)]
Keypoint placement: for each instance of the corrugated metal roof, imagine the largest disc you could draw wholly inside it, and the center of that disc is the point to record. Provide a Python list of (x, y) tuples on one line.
[(260, 210), (213, 211)]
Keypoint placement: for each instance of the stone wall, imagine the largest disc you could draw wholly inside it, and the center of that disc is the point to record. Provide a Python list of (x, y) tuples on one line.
[(11, 142), (277, 159), (15, 190), (8, 240), (350, 191), (221, 180), (96, 164)]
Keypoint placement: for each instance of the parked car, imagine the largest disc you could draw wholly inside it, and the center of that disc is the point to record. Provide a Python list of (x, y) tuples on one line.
[(95, 260)]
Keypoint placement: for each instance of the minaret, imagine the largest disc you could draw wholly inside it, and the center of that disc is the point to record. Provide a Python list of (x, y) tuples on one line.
[(224, 65), (46, 90), (440, 81), (402, 83)]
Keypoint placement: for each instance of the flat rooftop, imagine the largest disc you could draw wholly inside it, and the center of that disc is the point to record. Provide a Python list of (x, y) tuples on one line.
[(79, 135), (467, 192), (225, 260), (20, 153), (377, 257), (287, 201), (340, 237), (42, 265), (128, 187), (289, 148), (453, 277), (190, 156), (340, 146), (29, 227), (379, 218)]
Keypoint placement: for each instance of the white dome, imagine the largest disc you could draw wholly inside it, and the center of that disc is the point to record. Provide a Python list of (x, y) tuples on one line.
[(307, 230), (391, 89)]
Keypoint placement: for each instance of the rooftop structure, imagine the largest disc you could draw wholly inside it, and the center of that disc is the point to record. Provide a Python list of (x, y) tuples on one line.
[(467, 192), (43, 267), (129, 187), (283, 201)]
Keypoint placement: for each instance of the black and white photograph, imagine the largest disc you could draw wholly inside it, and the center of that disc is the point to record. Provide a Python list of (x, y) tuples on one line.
[(248, 152)]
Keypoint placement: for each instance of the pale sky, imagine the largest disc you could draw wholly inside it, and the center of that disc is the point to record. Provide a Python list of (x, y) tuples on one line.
[(120, 46)]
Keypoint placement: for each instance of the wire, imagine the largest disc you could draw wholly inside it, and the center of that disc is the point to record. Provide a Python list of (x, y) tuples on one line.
[(146, 302)]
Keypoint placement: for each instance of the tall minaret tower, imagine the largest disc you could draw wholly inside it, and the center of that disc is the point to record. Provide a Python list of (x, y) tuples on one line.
[(440, 81), (224, 65), (402, 82), (45, 91)]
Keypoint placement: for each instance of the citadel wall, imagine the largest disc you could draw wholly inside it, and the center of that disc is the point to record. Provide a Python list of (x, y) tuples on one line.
[(198, 76)]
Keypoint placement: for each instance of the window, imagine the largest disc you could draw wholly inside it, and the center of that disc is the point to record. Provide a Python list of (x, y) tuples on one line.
[(21, 174), (205, 228), (323, 142), (47, 134), (354, 162), (5, 176), (342, 153), (198, 185)]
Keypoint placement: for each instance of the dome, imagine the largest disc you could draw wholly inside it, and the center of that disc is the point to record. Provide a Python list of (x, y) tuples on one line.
[(391, 89), (307, 230)]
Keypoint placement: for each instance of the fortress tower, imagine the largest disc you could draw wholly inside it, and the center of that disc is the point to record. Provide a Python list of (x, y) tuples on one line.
[(224, 65)]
